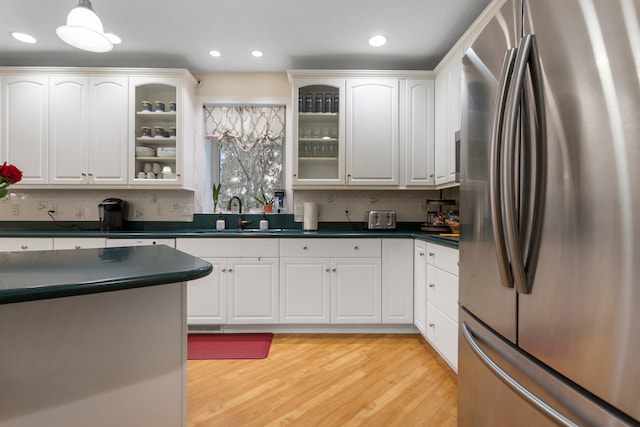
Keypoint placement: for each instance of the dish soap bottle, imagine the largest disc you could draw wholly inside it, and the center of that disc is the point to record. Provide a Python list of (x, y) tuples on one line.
[(220, 223), (264, 223)]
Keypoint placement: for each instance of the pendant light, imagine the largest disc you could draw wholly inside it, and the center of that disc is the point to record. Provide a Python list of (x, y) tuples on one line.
[(84, 29)]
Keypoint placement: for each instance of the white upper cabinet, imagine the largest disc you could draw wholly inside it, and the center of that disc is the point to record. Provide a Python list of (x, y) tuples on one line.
[(447, 117), (108, 126), (25, 126), (416, 130), (378, 135), (169, 130), (88, 125), (372, 131)]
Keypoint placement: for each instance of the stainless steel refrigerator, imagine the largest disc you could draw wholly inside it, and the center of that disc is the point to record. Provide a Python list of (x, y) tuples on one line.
[(550, 212)]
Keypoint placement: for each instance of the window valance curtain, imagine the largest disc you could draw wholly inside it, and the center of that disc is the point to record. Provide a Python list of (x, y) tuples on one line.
[(245, 126)]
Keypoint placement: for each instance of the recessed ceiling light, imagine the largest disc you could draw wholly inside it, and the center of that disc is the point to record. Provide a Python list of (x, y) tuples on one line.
[(214, 53), (23, 37), (377, 41), (256, 53)]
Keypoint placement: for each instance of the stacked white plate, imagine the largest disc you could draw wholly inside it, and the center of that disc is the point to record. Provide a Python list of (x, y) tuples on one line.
[(166, 151)]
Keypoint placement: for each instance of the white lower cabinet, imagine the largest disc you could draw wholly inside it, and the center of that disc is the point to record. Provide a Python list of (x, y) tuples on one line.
[(397, 281), (330, 280), (305, 290), (243, 286), (19, 244), (252, 290), (420, 286), (442, 301)]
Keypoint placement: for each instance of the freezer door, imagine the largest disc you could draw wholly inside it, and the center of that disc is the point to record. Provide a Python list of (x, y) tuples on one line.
[(582, 318), (499, 385), (481, 287)]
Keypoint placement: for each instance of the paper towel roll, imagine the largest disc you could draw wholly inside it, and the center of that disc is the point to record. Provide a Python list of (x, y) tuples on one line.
[(310, 216)]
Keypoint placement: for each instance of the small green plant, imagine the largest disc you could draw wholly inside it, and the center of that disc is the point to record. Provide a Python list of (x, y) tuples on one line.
[(216, 193), (263, 199)]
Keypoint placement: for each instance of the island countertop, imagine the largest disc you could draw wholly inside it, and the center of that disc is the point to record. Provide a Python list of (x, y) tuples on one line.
[(30, 276)]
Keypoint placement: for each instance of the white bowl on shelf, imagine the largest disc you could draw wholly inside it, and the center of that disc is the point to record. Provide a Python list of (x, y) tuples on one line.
[(166, 151), (145, 152)]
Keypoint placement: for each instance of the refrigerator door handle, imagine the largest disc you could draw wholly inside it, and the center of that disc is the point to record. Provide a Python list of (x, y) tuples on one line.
[(523, 269), (495, 165), (513, 383)]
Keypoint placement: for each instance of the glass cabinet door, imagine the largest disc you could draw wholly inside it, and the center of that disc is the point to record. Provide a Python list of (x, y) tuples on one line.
[(156, 132), (319, 151)]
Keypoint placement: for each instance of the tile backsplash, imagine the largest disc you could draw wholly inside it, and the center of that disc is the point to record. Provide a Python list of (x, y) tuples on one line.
[(410, 205), (82, 205)]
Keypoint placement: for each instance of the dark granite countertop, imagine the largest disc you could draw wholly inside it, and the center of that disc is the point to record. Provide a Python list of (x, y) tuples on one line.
[(30, 276)]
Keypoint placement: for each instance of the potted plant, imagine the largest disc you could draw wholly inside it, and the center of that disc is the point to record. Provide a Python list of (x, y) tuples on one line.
[(265, 201), (216, 195)]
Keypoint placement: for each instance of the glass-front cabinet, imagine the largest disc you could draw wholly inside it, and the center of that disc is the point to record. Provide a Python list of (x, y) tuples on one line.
[(157, 103), (319, 130)]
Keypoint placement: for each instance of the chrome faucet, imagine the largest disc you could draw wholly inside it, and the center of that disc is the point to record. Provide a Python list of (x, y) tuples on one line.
[(241, 222)]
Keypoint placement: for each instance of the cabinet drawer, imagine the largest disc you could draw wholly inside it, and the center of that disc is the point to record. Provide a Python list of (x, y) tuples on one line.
[(78, 242), (442, 333), (229, 247), (442, 291), (112, 243), (443, 257), (334, 248), (14, 244)]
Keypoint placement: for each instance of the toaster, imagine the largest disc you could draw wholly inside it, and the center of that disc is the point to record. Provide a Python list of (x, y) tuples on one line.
[(381, 220)]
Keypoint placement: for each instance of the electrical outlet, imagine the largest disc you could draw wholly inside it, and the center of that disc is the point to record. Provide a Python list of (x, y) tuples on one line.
[(15, 209), (139, 213), (332, 199), (176, 207), (79, 213), (374, 200), (155, 198), (42, 206)]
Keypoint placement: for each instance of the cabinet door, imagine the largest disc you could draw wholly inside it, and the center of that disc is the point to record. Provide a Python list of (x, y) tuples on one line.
[(68, 145), (108, 143), (252, 286), (441, 128), (442, 291), (164, 90), (442, 333), (420, 284), (25, 126), (318, 154), (355, 290), (207, 296), (417, 130), (305, 290), (372, 131), (397, 281)]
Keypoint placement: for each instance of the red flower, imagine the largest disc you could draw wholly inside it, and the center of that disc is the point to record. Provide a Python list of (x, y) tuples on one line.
[(10, 173)]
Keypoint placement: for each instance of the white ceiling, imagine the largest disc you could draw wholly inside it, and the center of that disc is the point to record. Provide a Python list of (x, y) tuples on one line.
[(293, 34)]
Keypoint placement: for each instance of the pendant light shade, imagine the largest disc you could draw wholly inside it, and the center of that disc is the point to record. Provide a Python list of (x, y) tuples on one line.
[(84, 29)]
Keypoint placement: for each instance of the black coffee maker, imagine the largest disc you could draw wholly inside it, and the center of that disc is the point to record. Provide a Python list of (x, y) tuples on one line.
[(112, 214)]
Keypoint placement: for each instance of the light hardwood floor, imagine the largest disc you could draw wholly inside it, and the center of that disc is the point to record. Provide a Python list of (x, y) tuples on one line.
[(326, 380)]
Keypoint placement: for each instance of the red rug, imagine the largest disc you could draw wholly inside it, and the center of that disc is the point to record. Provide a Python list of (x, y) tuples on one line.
[(228, 346)]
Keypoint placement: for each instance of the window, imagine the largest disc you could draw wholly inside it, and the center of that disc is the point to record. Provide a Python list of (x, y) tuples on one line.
[(250, 144)]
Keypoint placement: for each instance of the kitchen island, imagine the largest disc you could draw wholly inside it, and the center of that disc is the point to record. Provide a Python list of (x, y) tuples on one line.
[(94, 336)]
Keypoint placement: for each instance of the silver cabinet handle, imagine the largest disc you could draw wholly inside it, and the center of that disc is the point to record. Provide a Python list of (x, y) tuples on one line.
[(431, 325), (83, 174), (304, 247), (511, 382), (432, 254), (356, 247), (333, 269), (24, 247), (78, 247), (230, 270), (421, 253), (224, 270), (431, 285), (328, 270)]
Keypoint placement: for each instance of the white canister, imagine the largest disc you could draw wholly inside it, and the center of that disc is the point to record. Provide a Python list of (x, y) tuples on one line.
[(264, 224), (310, 216), (220, 224)]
